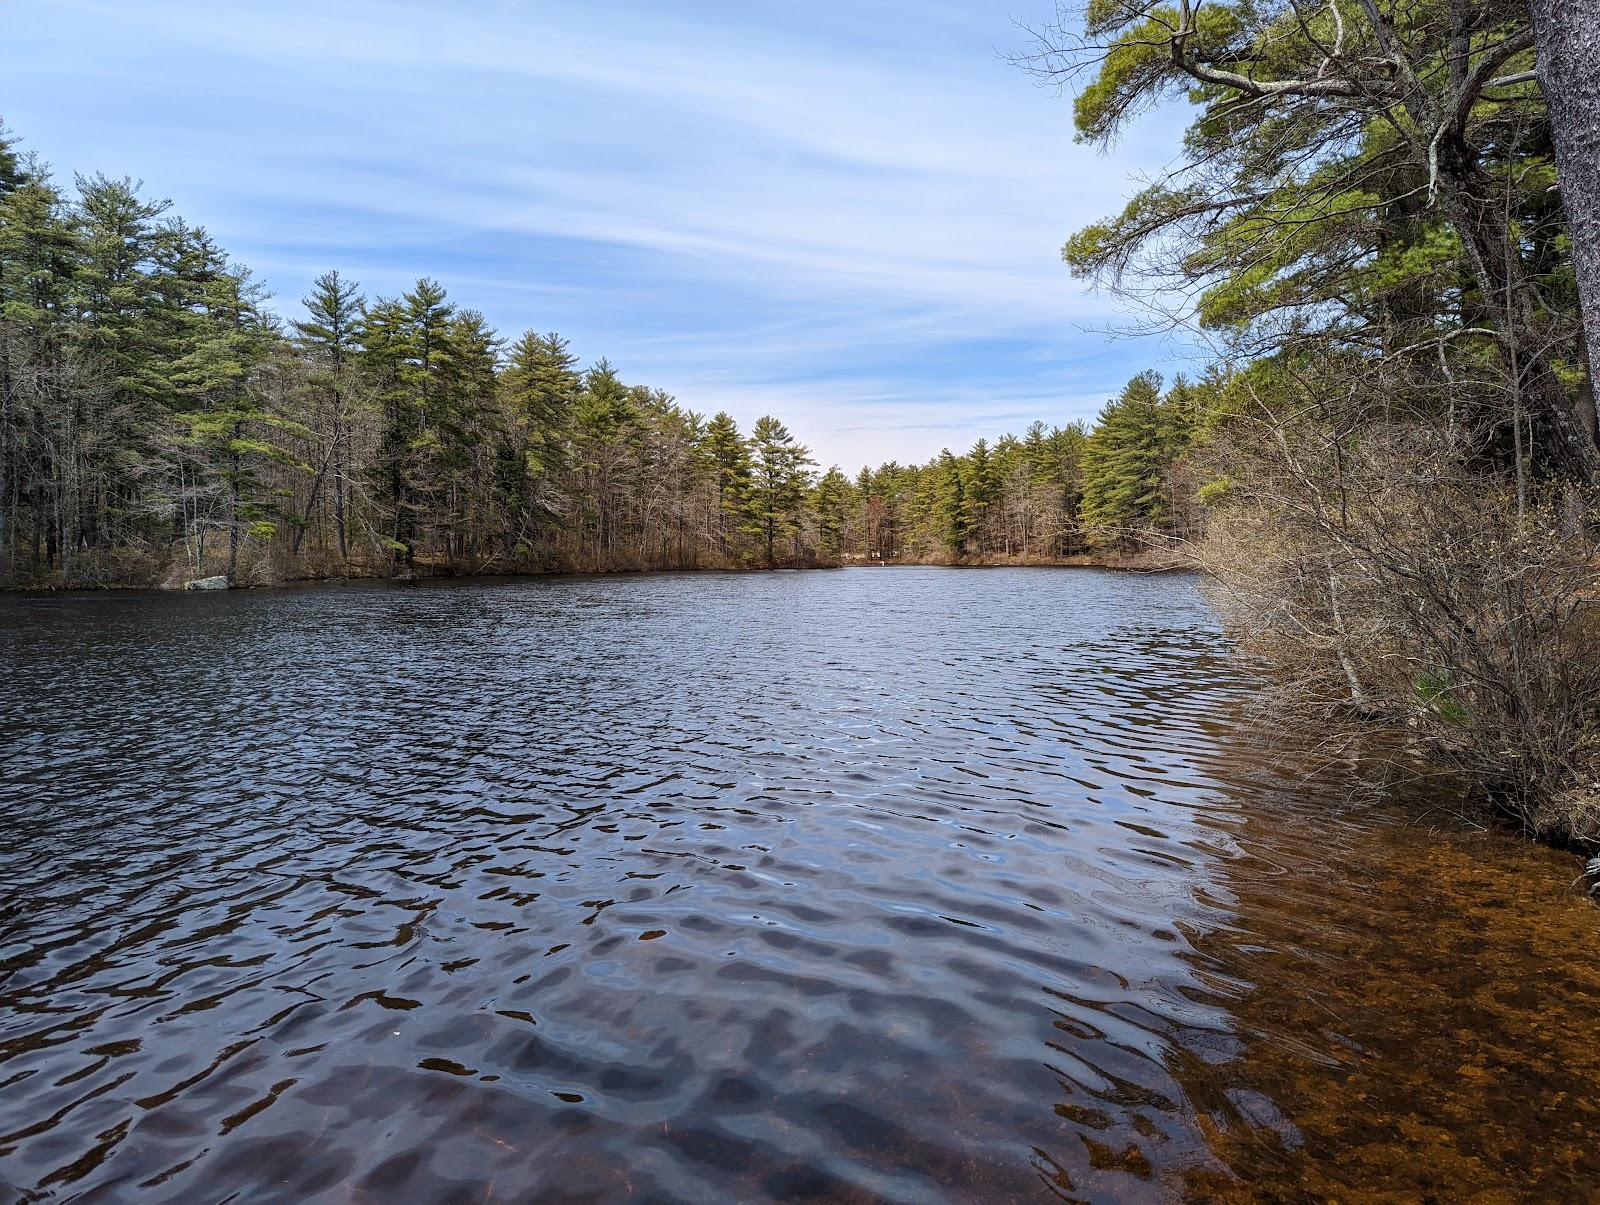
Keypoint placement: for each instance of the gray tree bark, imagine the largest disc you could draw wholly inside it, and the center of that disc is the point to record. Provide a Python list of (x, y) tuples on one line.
[(1567, 37)]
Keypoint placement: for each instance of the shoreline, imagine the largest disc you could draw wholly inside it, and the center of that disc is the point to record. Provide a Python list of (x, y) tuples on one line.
[(1139, 562), (1120, 564), (356, 577)]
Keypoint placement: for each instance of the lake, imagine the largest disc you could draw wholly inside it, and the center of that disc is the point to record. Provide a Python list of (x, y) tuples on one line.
[(873, 885)]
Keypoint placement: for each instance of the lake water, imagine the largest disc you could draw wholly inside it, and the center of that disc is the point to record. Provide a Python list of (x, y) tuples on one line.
[(873, 885)]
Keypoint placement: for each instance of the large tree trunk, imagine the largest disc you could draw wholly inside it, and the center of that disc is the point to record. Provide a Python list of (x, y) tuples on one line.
[(1567, 34)]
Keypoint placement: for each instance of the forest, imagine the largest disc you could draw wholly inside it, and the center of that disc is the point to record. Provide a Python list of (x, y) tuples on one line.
[(1118, 492), (160, 423)]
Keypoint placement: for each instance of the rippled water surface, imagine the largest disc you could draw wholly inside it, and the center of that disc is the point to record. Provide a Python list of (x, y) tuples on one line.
[(879, 885)]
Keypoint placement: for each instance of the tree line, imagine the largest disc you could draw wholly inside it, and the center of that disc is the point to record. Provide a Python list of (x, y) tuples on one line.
[(157, 421), (1053, 494)]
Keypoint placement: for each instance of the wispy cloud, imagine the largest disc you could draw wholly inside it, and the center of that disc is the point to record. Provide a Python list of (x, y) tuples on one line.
[(847, 214)]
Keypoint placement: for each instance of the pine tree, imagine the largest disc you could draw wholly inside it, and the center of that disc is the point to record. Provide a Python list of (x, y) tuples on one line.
[(948, 504), (1061, 480), (119, 296), (606, 426), (162, 407), (329, 339), (731, 470), (386, 355), (779, 480), (39, 254), (406, 347), (467, 427), (1181, 416), (220, 335), (1125, 463), (832, 500), (124, 321), (13, 170), (541, 385), (978, 492), (673, 471)]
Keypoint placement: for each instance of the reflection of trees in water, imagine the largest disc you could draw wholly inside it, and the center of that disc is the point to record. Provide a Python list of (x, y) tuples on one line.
[(1420, 1009)]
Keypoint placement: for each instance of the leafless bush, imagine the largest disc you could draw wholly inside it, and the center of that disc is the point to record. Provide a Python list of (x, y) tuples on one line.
[(1394, 586)]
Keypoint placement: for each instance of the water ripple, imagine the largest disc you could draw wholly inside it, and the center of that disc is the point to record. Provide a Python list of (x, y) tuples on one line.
[(883, 885)]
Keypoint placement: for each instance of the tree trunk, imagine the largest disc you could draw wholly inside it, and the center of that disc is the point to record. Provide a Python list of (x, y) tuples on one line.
[(1503, 283), (233, 508), (8, 475), (339, 490), (1567, 35), (311, 508)]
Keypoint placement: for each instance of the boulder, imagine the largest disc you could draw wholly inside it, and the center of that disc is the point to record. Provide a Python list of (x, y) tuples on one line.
[(207, 583)]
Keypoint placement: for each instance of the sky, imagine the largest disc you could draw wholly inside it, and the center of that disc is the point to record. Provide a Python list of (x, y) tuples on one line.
[(845, 213)]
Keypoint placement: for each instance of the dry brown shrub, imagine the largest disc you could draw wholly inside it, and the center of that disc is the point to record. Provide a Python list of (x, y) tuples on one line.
[(1388, 585)]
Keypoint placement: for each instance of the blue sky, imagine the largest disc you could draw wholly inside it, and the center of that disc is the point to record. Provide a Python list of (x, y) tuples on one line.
[(846, 214)]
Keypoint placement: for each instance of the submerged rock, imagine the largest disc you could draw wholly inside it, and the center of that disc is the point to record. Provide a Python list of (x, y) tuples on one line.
[(207, 583)]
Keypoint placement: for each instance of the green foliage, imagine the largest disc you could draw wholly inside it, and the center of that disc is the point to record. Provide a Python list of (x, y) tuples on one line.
[(1436, 693), (39, 254), (833, 500), (732, 477), (1051, 493), (1217, 490), (154, 408), (948, 501), (1137, 71), (13, 173), (1136, 439), (1343, 181), (174, 414), (541, 386), (778, 482)]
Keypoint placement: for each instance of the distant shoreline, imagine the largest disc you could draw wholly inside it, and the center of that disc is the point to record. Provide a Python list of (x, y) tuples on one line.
[(1127, 563), (1142, 562)]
